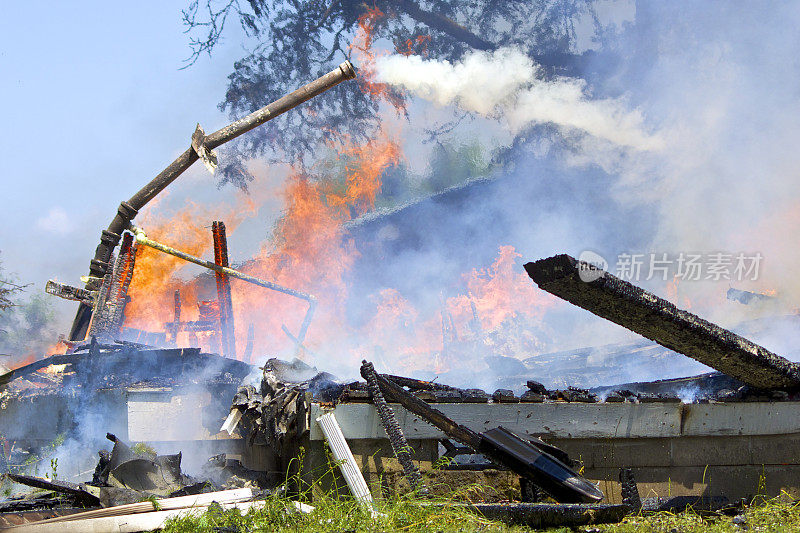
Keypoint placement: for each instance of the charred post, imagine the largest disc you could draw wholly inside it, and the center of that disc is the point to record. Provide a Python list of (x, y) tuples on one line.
[(109, 305), (224, 290), (123, 275), (661, 321)]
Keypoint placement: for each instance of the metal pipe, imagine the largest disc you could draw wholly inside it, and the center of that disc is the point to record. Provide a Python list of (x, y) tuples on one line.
[(128, 210), (141, 238)]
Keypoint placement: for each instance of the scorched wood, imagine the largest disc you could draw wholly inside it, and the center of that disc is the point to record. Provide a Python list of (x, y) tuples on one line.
[(659, 320)]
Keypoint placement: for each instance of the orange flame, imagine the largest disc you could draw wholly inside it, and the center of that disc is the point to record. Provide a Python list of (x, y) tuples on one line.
[(310, 252), (499, 292), (156, 275), (420, 42), (362, 51)]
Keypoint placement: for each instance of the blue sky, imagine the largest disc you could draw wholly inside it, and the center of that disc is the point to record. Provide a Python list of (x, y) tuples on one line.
[(94, 106)]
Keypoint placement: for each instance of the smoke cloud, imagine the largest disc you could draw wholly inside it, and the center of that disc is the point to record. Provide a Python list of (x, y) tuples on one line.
[(507, 84)]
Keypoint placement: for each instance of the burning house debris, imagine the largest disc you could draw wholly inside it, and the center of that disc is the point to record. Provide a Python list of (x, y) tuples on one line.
[(201, 148), (529, 438), (225, 318)]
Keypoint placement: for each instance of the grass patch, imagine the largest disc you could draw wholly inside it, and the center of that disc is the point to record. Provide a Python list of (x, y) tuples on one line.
[(413, 515), (332, 514)]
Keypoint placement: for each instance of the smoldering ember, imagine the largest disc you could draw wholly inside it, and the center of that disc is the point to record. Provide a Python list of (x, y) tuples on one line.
[(450, 266)]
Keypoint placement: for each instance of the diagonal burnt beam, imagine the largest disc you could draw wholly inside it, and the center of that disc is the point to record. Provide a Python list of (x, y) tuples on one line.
[(657, 319), (224, 289), (201, 145), (498, 445)]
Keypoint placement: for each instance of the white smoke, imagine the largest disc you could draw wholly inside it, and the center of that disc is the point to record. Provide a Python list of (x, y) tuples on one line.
[(506, 84)]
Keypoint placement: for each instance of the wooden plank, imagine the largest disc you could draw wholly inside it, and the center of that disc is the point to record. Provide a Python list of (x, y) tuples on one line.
[(580, 420), (132, 523), (347, 463)]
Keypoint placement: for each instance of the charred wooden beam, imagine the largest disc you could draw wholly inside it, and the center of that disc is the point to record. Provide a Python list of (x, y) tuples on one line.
[(540, 516), (70, 293), (400, 447), (175, 326), (661, 321), (54, 485), (109, 306), (121, 281), (418, 384), (224, 290)]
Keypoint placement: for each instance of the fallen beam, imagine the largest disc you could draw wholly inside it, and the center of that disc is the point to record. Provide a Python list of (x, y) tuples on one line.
[(661, 321), (62, 487), (160, 504), (548, 515), (130, 523)]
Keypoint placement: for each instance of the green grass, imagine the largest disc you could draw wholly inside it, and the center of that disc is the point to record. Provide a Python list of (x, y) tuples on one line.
[(335, 511), (409, 514), (331, 514), (773, 515)]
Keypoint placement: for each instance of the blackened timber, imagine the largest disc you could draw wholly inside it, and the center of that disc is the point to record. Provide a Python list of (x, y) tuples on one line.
[(123, 274), (657, 319), (397, 440), (418, 384), (548, 515), (432, 416), (63, 487), (175, 326), (128, 210), (69, 293)]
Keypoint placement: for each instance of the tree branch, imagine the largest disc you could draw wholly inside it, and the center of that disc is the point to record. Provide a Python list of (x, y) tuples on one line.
[(443, 24)]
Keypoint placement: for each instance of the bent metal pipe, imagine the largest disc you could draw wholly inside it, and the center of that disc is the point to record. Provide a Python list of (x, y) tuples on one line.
[(141, 238)]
